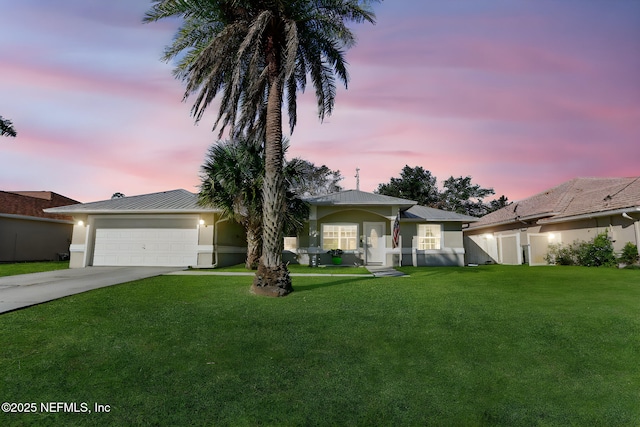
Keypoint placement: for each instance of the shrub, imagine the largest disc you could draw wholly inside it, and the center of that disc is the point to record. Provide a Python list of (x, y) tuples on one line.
[(629, 254), (597, 253), (561, 255)]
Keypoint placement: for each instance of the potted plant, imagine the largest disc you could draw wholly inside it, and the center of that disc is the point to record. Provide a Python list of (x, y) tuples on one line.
[(336, 256)]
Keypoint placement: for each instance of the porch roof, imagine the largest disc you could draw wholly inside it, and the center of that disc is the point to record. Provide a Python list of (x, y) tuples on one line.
[(423, 213), (357, 197)]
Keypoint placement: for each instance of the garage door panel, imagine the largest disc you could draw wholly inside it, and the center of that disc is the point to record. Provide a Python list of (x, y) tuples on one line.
[(146, 247)]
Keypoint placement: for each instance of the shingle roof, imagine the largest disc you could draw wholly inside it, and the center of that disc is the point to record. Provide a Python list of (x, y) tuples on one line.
[(164, 202), (580, 196), (32, 203), (437, 215), (356, 197)]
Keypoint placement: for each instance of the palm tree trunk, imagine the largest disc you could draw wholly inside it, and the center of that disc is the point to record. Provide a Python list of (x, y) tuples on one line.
[(273, 277), (254, 248)]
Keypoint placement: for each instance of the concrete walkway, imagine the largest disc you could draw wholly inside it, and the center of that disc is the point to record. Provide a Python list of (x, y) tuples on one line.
[(385, 271), (25, 290), (375, 272), (248, 273)]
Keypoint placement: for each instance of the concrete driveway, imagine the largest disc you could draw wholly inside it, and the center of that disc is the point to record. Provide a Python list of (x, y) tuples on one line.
[(29, 289)]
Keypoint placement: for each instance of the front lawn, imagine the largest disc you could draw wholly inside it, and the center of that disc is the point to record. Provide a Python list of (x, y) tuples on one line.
[(491, 345), (31, 267)]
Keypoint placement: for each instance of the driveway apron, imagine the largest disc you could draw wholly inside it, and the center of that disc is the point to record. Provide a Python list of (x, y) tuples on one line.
[(29, 289)]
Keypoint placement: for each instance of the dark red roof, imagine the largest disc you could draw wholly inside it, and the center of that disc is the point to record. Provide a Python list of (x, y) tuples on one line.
[(32, 203)]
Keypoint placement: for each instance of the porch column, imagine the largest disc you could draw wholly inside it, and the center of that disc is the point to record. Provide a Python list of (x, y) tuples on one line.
[(314, 234)]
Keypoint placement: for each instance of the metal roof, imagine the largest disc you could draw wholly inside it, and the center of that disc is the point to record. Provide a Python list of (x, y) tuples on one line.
[(174, 201), (423, 213), (183, 201), (357, 197)]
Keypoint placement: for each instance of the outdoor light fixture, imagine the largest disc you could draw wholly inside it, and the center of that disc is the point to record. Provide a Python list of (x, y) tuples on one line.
[(551, 236), (202, 222), (81, 223)]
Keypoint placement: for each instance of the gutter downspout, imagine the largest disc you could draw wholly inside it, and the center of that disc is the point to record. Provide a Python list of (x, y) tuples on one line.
[(636, 226)]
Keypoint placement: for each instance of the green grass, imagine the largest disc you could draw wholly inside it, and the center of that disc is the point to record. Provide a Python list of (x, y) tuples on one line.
[(31, 267), (492, 345)]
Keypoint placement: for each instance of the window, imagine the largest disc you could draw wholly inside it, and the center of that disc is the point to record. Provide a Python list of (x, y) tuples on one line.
[(343, 236), (429, 236), (290, 244)]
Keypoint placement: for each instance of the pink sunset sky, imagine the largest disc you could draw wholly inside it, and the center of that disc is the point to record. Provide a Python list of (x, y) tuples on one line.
[(521, 95)]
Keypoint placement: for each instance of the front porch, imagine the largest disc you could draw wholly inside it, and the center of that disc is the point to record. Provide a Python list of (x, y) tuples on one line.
[(378, 251)]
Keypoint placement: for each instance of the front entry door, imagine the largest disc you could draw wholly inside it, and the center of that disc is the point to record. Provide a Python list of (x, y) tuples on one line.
[(374, 232)]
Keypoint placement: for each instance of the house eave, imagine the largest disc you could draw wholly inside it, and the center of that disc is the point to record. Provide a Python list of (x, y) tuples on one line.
[(36, 218), (362, 204), (516, 220), (438, 220), (133, 211), (591, 215)]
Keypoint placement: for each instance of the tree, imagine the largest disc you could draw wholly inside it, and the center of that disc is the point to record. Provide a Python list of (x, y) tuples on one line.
[(6, 128), (316, 180), (231, 180), (414, 184), (498, 203), (256, 54), (462, 196), (458, 195), (117, 195)]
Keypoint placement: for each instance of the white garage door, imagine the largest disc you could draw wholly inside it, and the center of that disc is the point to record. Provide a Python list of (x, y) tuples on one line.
[(146, 247)]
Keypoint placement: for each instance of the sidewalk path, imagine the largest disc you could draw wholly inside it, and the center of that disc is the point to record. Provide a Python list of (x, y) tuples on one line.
[(239, 273), (385, 272)]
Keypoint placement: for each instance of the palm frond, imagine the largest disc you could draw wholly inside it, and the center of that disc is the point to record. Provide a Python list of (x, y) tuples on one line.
[(6, 128)]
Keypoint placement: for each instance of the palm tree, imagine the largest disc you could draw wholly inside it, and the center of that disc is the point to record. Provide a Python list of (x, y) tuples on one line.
[(6, 128), (231, 181), (256, 54)]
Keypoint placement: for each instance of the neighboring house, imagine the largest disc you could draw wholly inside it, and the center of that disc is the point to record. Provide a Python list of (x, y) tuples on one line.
[(361, 224), (576, 210), (29, 234), (171, 229)]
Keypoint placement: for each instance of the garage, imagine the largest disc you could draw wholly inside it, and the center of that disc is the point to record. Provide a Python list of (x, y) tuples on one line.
[(146, 247), (166, 229)]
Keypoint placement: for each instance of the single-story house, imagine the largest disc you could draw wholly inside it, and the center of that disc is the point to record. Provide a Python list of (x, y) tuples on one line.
[(171, 229), (361, 224), (29, 234), (576, 210)]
